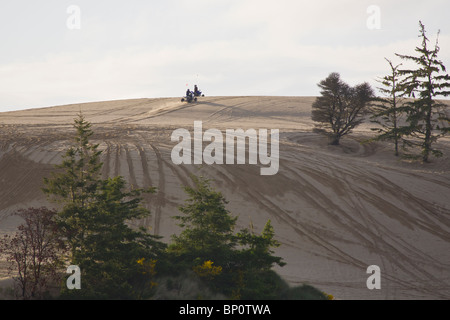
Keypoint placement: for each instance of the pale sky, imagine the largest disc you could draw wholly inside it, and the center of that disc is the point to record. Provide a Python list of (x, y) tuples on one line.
[(151, 49)]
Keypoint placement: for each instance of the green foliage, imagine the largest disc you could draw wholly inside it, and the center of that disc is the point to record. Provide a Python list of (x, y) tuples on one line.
[(94, 220), (263, 286), (184, 286), (426, 117), (340, 108), (235, 265), (207, 226), (304, 292), (74, 184), (208, 270), (256, 249), (111, 248), (388, 111)]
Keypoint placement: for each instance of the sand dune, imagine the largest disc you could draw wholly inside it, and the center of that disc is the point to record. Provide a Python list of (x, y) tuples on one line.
[(336, 210)]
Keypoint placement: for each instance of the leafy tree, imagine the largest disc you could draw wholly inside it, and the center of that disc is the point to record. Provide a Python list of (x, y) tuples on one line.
[(388, 111), (426, 116), (34, 251), (340, 108)]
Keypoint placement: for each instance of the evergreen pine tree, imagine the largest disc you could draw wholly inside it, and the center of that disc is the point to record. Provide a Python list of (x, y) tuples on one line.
[(257, 249), (388, 111), (207, 225), (426, 117), (112, 248), (94, 220), (245, 259), (74, 184)]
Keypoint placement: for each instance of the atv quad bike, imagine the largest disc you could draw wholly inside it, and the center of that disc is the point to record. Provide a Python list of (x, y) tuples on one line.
[(198, 94), (190, 98)]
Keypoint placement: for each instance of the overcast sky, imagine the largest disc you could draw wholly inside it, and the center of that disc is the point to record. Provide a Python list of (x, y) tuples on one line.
[(150, 49)]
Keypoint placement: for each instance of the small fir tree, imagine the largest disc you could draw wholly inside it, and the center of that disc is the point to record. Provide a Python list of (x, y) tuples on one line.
[(94, 220), (74, 184), (388, 111), (241, 260), (207, 225)]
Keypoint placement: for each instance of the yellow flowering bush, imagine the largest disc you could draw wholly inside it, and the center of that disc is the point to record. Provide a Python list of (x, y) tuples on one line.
[(328, 296), (207, 270), (148, 268)]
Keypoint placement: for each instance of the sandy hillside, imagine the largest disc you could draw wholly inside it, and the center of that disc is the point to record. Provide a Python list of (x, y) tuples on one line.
[(336, 210)]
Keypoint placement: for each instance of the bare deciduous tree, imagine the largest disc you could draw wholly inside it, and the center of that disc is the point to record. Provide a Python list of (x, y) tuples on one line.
[(34, 252)]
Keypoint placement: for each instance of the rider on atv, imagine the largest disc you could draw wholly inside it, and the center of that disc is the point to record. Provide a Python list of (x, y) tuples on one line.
[(197, 93), (189, 96)]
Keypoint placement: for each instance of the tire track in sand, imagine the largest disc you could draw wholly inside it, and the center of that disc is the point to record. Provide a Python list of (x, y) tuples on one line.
[(393, 251), (147, 182), (161, 192)]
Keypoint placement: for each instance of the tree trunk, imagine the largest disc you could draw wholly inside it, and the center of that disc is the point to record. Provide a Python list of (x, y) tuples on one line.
[(334, 140), (428, 127), (427, 142)]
